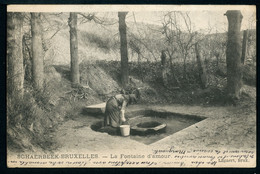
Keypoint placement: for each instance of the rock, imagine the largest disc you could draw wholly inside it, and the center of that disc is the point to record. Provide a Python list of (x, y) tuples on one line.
[(96, 109)]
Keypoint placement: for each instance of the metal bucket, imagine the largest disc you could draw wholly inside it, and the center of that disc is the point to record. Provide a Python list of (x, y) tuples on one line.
[(125, 130)]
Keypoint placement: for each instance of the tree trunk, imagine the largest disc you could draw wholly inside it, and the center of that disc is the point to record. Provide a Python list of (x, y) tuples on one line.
[(74, 64), (37, 51), (184, 68), (201, 67), (243, 57), (217, 57), (15, 70), (164, 69), (27, 59), (123, 49), (140, 67), (233, 54), (175, 80)]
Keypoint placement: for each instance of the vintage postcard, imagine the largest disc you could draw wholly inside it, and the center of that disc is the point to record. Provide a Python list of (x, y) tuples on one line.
[(131, 86)]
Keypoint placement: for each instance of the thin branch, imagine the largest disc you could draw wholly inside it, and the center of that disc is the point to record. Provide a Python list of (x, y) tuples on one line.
[(132, 35), (88, 17), (97, 20)]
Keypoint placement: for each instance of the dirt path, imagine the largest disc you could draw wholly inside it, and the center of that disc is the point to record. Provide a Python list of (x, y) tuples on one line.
[(225, 128)]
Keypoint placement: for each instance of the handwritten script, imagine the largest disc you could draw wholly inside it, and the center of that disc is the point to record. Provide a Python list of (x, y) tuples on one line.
[(170, 157)]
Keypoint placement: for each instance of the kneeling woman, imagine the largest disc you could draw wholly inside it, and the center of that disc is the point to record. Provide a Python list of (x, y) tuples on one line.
[(115, 108)]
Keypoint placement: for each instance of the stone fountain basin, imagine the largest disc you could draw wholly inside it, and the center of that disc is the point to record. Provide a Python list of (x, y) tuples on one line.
[(146, 125)]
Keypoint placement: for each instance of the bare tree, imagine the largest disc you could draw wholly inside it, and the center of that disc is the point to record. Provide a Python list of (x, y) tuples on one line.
[(136, 49), (216, 44), (233, 54), (179, 34), (15, 70), (37, 50), (74, 67), (27, 57), (123, 49), (201, 68), (164, 68), (144, 39), (244, 46)]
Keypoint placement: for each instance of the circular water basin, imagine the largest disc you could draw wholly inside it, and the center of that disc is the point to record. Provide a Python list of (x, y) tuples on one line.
[(148, 127)]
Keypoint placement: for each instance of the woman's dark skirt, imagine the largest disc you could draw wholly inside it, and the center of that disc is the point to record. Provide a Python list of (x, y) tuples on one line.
[(112, 113)]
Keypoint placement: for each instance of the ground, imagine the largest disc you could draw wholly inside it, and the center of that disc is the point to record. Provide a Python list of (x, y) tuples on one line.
[(225, 128)]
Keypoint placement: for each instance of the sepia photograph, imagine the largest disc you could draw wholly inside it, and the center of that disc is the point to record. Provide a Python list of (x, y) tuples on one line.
[(92, 86)]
